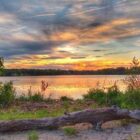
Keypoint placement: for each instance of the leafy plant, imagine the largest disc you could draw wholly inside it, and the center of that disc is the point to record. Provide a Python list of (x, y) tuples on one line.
[(131, 99), (7, 94), (35, 97), (65, 98), (33, 135), (70, 131), (97, 95), (112, 96)]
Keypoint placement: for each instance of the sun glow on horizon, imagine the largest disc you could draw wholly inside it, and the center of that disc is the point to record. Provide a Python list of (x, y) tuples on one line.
[(76, 35)]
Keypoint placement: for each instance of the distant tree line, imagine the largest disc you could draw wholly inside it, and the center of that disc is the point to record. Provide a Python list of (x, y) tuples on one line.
[(39, 72)]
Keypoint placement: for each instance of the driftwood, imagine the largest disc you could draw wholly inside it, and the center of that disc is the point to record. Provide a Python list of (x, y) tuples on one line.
[(95, 117)]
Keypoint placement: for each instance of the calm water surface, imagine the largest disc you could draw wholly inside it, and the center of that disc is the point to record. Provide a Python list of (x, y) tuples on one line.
[(73, 86)]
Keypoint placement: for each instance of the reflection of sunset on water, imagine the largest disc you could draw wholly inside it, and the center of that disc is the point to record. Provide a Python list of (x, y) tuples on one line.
[(73, 86)]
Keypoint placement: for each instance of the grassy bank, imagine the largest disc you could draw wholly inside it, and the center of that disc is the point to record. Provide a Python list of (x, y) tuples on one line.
[(129, 99), (35, 110), (23, 109), (35, 105)]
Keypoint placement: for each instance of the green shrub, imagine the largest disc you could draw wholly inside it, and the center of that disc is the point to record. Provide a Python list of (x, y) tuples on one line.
[(23, 98), (36, 97), (131, 99), (33, 135), (7, 94), (70, 131), (65, 98), (33, 97), (113, 96), (97, 95)]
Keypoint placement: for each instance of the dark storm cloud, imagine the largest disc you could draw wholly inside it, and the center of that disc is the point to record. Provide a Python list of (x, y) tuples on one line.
[(28, 48)]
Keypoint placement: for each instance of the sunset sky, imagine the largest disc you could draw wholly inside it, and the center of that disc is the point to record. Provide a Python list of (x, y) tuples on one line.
[(69, 34)]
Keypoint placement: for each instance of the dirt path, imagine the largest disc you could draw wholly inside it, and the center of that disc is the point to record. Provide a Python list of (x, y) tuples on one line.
[(129, 132)]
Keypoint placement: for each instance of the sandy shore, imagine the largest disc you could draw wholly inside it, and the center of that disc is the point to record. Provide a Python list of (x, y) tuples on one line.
[(85, 132)]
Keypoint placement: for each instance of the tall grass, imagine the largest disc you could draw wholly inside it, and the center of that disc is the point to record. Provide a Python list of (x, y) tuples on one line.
[(70, 131), (131, 99), (32, 96), (33, 135), (35, 96), (96, 94), (128, 99), (102, 97)]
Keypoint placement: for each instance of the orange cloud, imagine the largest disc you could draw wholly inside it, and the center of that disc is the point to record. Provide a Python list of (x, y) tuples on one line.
[(67, 63), (115, 29)]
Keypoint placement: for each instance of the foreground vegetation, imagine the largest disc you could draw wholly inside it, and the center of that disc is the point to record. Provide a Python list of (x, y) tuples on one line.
[(35, 105), (35, 110), (128, 99)]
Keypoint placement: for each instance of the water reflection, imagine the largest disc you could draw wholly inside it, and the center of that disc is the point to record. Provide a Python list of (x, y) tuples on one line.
[(73, 86)]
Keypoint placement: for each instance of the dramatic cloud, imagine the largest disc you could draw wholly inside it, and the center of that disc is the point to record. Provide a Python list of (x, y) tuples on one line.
[(69, 34)]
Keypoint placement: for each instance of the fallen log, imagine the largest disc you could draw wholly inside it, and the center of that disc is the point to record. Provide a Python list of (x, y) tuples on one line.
[(95, 117)]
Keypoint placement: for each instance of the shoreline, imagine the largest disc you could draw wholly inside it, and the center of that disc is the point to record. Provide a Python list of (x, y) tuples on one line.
[(65, 75), (129, 132)]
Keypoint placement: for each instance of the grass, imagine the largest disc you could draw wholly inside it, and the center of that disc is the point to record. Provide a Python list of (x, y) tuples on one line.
[(138, 130), (92, 100), (33, 97), (96, 94), (95, 98), (70, 131), (65, 98), (17, 114), (54, 109), (33, 135), (129, 99)]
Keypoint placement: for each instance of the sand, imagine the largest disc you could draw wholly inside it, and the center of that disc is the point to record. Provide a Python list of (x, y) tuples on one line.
[(85, 132)]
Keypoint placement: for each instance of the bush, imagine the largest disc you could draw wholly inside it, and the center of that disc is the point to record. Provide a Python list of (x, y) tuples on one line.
[(37, 97), (7, 94), (131, 99), (113, 96), (65, 98), (23, 98), (70, 131), (33, 135), (97, 95), (34, 97)]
